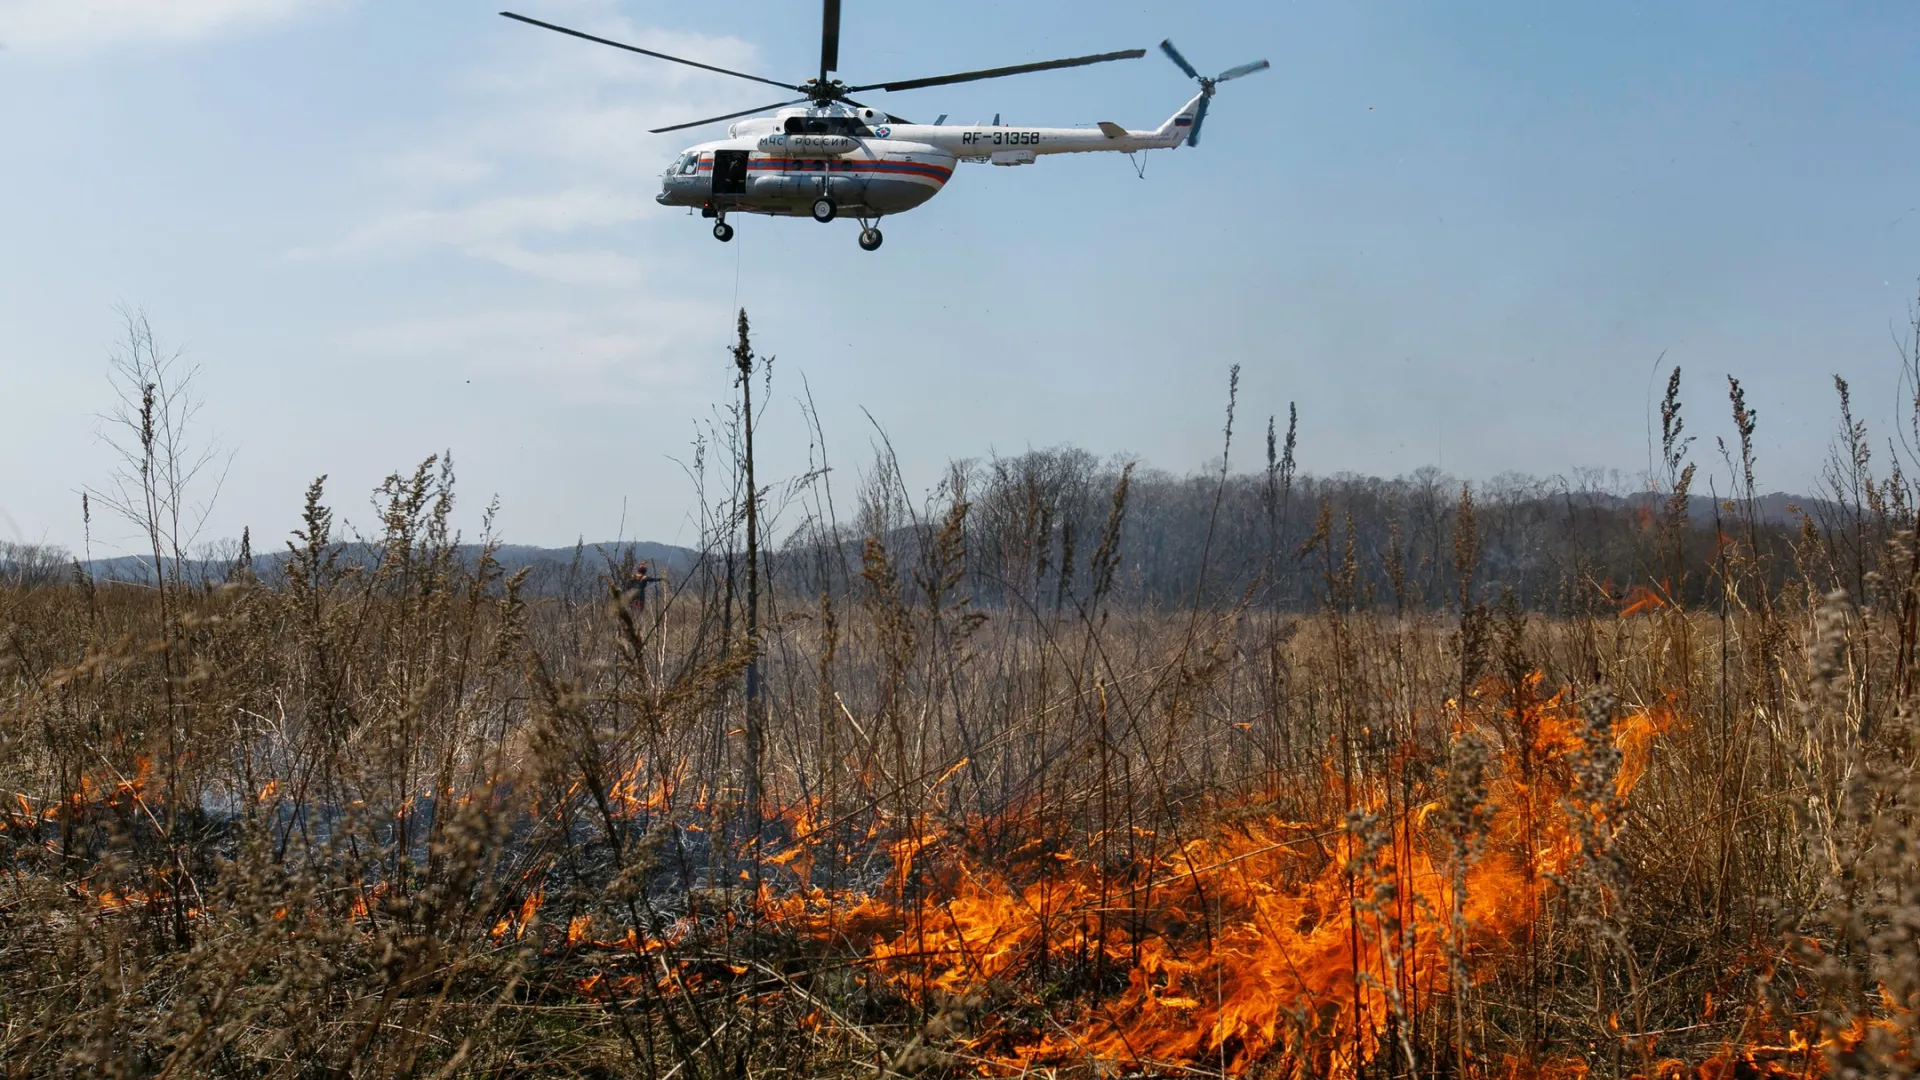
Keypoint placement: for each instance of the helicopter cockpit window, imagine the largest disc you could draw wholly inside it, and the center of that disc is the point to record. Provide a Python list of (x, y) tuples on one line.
[(828, 125), (688, 164)]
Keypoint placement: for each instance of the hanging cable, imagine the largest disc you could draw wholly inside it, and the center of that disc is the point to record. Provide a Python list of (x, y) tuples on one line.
[(737, 258)]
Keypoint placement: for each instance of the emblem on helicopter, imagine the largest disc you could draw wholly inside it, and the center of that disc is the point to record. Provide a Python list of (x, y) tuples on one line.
[(812, 157)]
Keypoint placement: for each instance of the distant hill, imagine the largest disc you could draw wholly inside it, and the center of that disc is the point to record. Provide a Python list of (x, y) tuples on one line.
[(1778, 508), (550, 571), (1044, 528)]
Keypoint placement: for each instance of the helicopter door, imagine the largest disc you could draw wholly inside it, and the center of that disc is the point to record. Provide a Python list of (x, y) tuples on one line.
[(730, 172)]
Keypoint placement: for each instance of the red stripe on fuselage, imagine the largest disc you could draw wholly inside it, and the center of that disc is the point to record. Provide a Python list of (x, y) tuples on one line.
[(925, 170)]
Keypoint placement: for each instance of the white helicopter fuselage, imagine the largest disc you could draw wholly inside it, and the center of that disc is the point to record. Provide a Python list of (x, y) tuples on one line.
[(868, 165)]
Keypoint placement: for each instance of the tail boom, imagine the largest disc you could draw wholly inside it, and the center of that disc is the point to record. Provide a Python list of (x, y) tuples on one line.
[(1021, 144)]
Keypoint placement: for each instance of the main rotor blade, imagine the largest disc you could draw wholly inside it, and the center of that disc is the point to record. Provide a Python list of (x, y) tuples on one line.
[(648, 52), (1001, 72), (1199, 117), (1243, 69), (729, 116), (829, 37), (1173, 54)]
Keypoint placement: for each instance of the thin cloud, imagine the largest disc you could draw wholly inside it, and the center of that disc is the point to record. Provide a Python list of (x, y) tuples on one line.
[(480, 225), (545, 149), (575, 352), (590, 269), (67, 27)]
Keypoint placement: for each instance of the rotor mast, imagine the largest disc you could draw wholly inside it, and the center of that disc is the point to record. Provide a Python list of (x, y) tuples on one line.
[(829, 39)]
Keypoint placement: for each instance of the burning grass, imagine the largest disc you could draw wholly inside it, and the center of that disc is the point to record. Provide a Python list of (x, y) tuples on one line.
[(390, 817), (1529, 879)]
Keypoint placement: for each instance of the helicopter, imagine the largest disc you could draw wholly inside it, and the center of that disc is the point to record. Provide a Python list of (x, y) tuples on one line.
[(826, 155)]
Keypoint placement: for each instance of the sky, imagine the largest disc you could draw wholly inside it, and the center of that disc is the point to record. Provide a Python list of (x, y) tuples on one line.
[(1460, 234)]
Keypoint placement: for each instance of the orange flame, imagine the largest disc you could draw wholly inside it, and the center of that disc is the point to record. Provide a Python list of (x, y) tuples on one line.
[(1260, 937), (1642, 599), (518, 922)]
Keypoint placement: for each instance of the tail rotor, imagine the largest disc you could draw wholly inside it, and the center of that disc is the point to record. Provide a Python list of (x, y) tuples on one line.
[(1244, 69), (1173, 54), (1207, 85)]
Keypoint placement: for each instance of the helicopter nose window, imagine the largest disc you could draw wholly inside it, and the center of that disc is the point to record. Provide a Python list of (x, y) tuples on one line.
[(689, 164)]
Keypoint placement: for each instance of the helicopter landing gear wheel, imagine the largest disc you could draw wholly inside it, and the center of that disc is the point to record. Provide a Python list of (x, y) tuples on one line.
[(722, 231), (824, 209), (870, 239)]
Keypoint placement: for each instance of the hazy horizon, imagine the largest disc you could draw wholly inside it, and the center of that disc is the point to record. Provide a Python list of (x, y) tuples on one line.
[(355, 519)]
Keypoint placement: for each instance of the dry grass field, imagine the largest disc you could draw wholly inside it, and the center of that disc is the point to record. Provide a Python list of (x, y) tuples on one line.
[(387, 814)]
